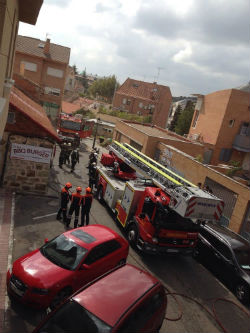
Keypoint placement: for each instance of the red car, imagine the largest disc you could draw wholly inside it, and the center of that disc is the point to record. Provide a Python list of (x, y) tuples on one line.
[(46, 276), (124, 300)]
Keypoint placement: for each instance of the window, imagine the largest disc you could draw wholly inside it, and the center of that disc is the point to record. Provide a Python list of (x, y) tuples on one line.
[(128, 102), (196, 116), (29, 66), (141, 105), (245, 129), (124, 101), (102, 250), (52, 91), (231, 122), (55, 72), (225, 154)]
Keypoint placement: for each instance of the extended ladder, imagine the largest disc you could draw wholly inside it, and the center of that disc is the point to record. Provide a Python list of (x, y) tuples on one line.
[(181, 191)]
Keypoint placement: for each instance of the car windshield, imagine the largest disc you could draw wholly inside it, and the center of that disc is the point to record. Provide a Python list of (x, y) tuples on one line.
[(243, 258), (72, 317), (63, 252)]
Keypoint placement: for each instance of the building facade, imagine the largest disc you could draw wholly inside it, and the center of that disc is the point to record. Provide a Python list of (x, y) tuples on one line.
[(221, 119), (144, 99), (11, 13), (45, 64)]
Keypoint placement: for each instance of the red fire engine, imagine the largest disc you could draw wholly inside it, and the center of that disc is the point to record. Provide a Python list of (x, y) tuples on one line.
[(160, 211), (71, 126)]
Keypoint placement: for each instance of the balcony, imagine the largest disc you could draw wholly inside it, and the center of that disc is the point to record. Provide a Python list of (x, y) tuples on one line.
[(242, 143)]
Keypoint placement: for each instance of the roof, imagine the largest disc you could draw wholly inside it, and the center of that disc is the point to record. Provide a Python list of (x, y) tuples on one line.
[(82, 101), (144, 90), (33, 111), (122, 287), (70, 107), (101, 234), (29, 45), (154, 131)]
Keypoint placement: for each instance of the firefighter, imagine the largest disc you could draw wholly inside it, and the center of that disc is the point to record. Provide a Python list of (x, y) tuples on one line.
[(65, 198), (67, 153), (74, 159), (86, 203), (92, 175), (75, 206)]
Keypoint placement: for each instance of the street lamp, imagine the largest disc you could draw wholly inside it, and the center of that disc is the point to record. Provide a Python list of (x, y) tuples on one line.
[(97, 123)]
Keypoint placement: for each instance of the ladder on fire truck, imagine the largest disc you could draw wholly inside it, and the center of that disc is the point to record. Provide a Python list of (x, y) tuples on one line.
[(181, 191)]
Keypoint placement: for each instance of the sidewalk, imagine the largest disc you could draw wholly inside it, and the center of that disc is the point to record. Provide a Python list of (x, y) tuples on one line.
[(7, 204)]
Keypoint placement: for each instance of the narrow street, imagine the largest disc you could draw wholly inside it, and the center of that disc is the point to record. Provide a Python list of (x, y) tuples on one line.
[(35, 220)]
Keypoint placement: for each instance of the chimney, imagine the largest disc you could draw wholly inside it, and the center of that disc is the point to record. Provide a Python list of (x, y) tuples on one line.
[(46, 49)]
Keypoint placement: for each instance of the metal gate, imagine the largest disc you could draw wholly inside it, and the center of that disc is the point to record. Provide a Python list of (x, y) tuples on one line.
[(229, 197)]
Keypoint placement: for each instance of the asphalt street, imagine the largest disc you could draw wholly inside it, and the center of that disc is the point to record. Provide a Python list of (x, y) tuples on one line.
[(194, 289)]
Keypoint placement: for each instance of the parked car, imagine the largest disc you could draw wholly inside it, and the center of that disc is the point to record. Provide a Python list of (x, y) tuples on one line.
[(227, 254), (46, 276), (124, 300)]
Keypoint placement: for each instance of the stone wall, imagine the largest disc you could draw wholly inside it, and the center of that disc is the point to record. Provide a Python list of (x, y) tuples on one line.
[(27, 176)]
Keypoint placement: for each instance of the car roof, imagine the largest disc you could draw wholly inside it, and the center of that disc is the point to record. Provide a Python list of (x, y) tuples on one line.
[(99, 233), (111, 296), (235, 240)]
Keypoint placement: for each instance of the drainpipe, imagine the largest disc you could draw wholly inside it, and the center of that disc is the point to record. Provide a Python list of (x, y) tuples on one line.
[(5, 159)]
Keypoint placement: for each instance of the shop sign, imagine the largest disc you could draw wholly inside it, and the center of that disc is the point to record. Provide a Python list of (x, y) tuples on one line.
[(30, 153)]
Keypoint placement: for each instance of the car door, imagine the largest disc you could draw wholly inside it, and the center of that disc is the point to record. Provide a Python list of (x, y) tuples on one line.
[(98, 261)]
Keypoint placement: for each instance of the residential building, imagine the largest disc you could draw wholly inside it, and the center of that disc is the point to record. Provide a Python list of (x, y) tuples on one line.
[(70, 80), (11, 13), (145, 99), (221, 119), (179, 154), (45, 64), (30, 145)]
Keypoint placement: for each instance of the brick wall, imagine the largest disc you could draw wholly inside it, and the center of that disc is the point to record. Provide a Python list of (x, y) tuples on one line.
[(27, 176), (197, 172)]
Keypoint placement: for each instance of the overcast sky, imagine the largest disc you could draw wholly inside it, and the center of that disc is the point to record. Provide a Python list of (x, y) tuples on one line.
[(192, 46)]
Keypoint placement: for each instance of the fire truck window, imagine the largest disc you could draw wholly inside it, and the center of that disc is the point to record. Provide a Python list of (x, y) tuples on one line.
[(148, 207)]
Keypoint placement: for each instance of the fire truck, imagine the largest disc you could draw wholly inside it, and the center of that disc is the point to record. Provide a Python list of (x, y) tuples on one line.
[(74, 126), (160, 210)]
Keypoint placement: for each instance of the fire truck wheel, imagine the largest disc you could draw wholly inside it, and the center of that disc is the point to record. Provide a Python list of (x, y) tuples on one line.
[(132, 235), (100, 194)]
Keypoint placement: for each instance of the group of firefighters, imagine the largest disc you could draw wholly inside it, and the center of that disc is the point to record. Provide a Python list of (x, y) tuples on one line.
[(68, 155), (77, 201)]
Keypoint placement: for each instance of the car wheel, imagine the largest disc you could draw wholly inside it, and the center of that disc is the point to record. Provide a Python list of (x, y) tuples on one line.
[(60, 297), (132, 235), (242, 293), (100, 194)]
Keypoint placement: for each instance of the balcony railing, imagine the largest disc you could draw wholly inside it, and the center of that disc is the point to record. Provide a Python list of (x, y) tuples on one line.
[(242, 143)]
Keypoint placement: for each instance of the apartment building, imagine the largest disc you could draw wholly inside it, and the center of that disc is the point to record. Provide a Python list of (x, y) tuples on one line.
[(221, 119), (145, 99), (46, 64), (174, 106), (11, 13)]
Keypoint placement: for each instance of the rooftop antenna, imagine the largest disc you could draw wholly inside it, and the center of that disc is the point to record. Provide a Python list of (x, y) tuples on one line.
[(158, 74), (47, 35)]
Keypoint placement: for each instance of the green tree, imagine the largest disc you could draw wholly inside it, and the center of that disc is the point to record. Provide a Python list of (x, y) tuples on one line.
[(104, 87), (175, 118), (75, 69), (184, 120), (85, 80)]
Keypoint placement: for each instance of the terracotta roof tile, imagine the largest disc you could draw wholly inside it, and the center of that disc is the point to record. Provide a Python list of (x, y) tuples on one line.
[(70, 107), (144, 90), (29, 45), (32, 110)]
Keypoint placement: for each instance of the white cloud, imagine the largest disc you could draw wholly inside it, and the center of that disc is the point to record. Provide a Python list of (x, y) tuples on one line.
[(201, 46)]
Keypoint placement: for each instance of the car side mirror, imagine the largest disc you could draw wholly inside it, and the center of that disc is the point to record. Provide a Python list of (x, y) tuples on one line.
[(46, 240), (84, 266)]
